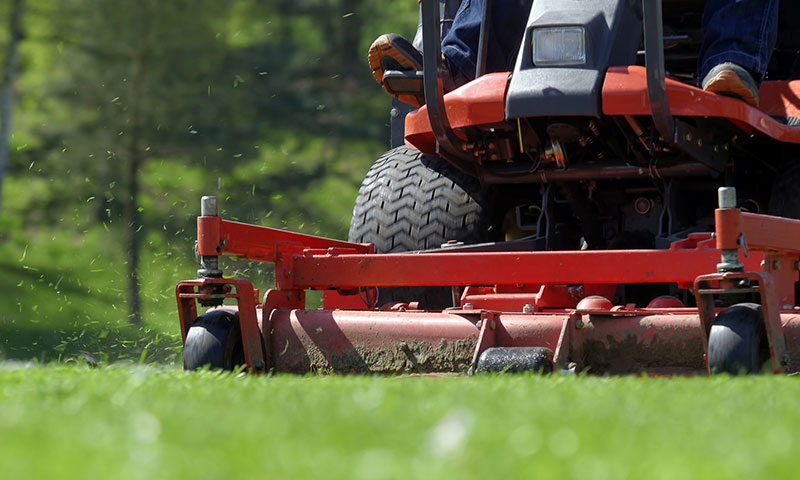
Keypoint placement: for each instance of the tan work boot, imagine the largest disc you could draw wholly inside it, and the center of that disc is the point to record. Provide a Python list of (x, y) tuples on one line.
[(732, 80), (393, 52)]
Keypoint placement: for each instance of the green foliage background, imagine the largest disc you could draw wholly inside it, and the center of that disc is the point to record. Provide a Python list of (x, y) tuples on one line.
[(268, 104)]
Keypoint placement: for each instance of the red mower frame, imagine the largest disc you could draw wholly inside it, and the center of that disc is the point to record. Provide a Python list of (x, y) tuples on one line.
[(545, 299)]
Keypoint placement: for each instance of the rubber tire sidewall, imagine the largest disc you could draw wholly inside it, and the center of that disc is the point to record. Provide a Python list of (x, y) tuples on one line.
[(735, 344), (214, 340)]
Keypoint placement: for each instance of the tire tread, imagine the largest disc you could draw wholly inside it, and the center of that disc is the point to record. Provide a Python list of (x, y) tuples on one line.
[(412, 201)]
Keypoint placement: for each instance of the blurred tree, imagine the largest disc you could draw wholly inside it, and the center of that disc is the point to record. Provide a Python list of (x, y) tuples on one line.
[(9, 76), (137, 83), (268, 103)]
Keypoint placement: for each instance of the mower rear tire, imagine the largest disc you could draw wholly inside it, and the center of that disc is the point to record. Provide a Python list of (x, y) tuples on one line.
[(214, 340), (738, 342), (413, 201)]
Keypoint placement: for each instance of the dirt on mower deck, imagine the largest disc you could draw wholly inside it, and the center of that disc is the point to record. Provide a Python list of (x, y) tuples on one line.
[(399, 358), (627, 356)]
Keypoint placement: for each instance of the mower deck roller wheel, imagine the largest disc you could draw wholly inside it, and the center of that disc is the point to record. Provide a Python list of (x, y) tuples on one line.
[(515, 360), (738, 342), (413, 201), (215, 340)]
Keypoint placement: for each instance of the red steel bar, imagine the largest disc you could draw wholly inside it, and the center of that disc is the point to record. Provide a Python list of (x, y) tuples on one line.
[(771, 234), (216, 236), (761, 232), (281, 335), (498, 268)]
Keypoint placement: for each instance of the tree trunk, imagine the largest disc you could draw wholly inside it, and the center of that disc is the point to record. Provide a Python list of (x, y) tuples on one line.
[(7, 87), (350, 57), (135, 157), (133, 235)]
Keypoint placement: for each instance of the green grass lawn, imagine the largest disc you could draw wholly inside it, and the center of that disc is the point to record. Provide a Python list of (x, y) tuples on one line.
[(144, 422)]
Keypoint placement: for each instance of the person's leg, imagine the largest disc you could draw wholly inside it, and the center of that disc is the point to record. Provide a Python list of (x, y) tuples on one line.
[(391, 51), (460, 45), (741, 33)]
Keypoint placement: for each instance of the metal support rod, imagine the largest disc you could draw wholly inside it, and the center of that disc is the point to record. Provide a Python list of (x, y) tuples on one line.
[(483, 43), (497, 268), (726, 196), (448, 143), (729, 257), (209, 263), (208, 206), (654, 65), (616, 171)]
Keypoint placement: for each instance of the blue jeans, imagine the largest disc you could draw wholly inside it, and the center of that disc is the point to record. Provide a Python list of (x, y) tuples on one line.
[(739, 31), (508, 21)]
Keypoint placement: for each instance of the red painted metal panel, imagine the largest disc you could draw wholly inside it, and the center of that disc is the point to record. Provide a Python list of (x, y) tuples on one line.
[(728, 226), (208, 235), (482, 102), (350, 341), (347, 341), (545, 297), (217, 236), (771, 234), (524, 330), (503, 302), (570, 267), (487, 338), (776, 236), (333, 300), (625, 93), (479, 102)]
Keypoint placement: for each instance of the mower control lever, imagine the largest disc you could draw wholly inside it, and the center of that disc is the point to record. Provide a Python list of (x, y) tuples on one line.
[(447, 140), (656, 73), (729, 261)]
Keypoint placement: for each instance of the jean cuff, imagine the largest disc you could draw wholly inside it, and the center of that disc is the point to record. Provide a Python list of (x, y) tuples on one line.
[(742, 59)]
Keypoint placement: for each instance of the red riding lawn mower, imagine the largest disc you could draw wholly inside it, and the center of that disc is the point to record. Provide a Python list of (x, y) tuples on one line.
[(582, 213)]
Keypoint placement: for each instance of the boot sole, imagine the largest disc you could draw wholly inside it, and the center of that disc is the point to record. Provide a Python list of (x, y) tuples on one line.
[(383, 48)]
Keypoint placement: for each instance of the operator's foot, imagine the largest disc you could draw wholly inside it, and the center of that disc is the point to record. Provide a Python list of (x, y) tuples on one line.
[(732, 80), (393, 52)]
